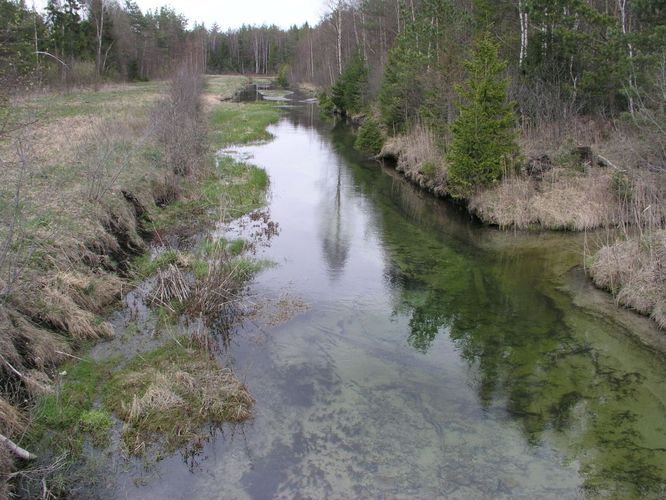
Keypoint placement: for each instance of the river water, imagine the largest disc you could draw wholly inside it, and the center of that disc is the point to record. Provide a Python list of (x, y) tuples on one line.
[(421, 355)]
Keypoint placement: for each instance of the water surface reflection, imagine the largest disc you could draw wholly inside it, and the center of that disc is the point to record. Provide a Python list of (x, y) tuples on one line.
[(436, 359)]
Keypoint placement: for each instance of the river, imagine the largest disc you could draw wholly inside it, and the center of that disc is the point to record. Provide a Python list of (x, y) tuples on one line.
[(427, 356)]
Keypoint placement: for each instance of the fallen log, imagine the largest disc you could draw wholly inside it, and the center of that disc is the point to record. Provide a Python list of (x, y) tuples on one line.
[(16, 449)]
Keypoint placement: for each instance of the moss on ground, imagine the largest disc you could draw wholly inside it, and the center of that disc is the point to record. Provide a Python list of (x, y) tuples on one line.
[(64, 419)]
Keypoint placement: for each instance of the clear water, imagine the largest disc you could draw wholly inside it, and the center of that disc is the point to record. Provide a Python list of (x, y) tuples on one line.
[(436, 358)]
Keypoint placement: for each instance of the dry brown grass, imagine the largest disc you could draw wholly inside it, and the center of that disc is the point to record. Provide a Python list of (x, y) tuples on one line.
[(212, 294), (634, 270), (418, 158), (12, 422), (27, 353), (49, 304), (171, 284), (6, 469), (561, 200), (95, 174)]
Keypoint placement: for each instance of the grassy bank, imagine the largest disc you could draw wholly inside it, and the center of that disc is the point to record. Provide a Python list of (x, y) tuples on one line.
[(99, 173), (632, 269), (555, 189), (558, 185)]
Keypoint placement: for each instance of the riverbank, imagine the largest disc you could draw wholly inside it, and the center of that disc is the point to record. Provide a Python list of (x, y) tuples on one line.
[(567, 188), (112, 178)]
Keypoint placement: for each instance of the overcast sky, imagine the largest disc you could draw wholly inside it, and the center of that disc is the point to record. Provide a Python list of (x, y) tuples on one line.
[(235, 13)]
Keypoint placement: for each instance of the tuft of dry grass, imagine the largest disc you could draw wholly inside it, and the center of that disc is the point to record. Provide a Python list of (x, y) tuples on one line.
[(171, 284), (12, 422), (634, 270), (27, 352), (170, 394), (53, 307), (561, 200), (418, 158)]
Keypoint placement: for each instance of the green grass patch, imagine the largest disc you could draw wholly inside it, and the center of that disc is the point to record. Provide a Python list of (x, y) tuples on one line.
[(145, 265), (200, 269), (237, 247), (233, 190), (64, 418), (97, 423), (241, 123)]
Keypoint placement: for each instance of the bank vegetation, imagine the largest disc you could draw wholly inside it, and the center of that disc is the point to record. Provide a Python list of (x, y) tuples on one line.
[(533, 115), (89, 179)]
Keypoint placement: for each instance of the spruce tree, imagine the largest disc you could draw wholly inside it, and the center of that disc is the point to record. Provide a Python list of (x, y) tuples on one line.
[(484, 131), (349, 94)]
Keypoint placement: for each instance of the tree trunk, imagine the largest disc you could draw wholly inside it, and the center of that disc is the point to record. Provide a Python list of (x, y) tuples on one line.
[(524, 21)]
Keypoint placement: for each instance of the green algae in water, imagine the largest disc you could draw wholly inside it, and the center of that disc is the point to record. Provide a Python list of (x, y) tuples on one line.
[(564, 375)]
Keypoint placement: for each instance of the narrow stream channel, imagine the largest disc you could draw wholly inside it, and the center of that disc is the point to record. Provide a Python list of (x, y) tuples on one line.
[(428, 357)]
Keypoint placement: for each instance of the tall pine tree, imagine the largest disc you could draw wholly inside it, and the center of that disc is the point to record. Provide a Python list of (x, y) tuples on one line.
[(484, 131)]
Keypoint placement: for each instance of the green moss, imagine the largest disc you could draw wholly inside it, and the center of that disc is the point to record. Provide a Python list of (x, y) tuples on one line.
[(61, 417), (97, 423)]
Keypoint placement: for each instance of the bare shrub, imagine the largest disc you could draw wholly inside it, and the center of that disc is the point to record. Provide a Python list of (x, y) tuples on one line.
[(166, 190), (106, 154), (181, 129), (16, 246)]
